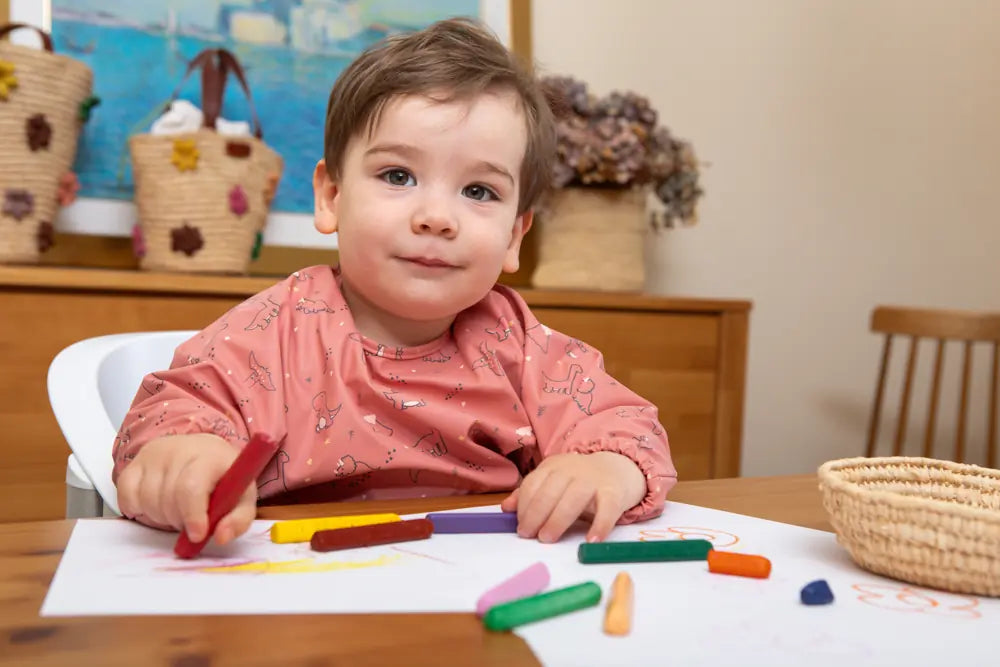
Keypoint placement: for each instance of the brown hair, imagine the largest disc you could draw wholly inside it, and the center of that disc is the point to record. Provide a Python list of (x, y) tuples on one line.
[(457, 57)]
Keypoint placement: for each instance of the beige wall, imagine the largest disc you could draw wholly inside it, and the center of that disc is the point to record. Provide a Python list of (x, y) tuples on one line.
[(854, 147)]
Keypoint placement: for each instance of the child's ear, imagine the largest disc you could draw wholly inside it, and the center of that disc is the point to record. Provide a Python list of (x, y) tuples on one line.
[(325, 193), (512, 261)]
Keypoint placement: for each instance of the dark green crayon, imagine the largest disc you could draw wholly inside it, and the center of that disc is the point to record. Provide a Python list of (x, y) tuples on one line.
[(544, 605), (643, 552)]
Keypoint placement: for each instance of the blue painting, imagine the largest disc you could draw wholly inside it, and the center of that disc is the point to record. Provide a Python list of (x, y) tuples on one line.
[(292, 51)]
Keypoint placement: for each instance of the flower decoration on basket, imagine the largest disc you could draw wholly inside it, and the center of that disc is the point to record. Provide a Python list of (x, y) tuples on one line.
[(238, 203), (38, 132), (614, 142), (185, 155), (18, 203), (69, 186), (8, 79)]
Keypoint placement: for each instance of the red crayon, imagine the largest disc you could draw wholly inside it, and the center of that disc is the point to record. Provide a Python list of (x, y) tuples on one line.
[(367, 536), (245, 469)]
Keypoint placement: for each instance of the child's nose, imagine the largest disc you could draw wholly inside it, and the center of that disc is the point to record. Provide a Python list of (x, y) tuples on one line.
[(434, 219)]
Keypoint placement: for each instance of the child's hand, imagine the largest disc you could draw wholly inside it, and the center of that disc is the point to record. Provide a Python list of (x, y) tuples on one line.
[(168, 484), (565, 487)]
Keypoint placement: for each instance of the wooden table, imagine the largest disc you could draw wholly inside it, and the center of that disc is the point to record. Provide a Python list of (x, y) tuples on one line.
[(30, 553)]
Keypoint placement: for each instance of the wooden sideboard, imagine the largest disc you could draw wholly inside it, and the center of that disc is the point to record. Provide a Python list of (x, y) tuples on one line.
[(688, 356)]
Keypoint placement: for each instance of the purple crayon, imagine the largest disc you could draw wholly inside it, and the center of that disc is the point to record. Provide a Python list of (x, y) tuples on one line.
[(474, 522)]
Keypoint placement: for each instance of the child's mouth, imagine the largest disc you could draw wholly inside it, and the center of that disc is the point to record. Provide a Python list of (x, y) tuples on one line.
[(431, 262)]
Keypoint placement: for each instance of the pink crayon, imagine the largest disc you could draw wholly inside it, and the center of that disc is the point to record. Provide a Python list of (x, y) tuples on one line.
[(531, 581)]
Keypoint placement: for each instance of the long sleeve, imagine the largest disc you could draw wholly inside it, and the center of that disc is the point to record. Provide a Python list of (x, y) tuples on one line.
[(576, 406), (225, 380)]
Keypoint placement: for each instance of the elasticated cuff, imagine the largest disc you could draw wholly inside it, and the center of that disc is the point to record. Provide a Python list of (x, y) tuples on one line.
[(657, 483)]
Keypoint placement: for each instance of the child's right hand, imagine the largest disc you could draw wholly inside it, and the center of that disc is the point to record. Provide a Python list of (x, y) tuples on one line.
[(168, 483)]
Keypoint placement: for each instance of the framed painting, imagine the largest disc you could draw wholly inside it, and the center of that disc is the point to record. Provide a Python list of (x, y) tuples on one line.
[(293, 51)]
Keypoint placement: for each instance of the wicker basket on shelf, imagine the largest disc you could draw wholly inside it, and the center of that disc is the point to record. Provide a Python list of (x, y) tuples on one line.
[(45, 98), (203, 197), (925, 521)]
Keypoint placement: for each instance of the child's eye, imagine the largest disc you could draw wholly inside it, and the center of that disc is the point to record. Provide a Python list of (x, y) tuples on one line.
[(480, 193), (399, 177)]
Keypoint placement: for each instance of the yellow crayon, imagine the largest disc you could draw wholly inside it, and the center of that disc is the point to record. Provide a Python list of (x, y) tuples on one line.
[(618, 615), (301, 530)]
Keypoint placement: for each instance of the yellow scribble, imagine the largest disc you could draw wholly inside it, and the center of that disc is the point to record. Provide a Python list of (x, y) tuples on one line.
[(302, 566)]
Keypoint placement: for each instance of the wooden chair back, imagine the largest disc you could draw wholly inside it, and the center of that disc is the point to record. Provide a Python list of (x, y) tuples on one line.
[(941, 325)]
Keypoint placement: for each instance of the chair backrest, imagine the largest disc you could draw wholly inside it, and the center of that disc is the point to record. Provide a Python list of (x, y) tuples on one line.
[(91, 385), (941, 325)]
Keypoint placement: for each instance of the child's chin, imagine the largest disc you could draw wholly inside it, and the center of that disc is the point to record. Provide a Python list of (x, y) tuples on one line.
[(435, 303)]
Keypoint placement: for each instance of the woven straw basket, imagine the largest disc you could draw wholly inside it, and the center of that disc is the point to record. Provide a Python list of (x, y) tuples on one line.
[(40, 123), (924, 521), (592, 238), (203, 197)]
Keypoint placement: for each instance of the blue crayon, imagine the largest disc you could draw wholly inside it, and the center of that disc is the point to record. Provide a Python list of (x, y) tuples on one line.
[(816, 592)]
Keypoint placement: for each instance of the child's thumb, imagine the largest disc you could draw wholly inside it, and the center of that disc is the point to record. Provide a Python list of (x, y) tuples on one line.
[(509, 504), (239, 520)]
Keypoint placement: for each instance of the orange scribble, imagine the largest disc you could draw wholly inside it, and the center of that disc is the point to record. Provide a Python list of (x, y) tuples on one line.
[(718, 538), (908, 599)]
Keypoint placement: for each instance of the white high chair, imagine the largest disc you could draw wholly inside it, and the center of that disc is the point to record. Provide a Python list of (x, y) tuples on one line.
[(91, 386)]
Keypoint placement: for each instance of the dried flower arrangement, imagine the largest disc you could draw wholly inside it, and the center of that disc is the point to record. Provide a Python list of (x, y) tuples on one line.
[(614, 141)]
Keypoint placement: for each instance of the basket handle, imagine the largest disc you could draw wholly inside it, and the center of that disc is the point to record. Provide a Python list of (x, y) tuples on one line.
[(215, 65), (229, 63), (11, 27)]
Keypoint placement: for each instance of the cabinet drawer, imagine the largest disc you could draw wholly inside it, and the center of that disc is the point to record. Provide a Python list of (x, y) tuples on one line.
[(670, 359)]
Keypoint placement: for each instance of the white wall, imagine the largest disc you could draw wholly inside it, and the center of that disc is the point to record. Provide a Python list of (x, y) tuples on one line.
[(853, 149)]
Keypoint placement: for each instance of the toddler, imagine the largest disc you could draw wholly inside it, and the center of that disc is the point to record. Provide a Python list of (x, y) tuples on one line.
[(406, 370)]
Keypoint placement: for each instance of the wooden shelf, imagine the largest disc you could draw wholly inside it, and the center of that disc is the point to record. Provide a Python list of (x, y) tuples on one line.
[(126, 281)]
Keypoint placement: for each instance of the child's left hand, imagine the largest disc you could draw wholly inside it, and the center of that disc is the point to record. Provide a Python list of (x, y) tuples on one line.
[(565, 487)]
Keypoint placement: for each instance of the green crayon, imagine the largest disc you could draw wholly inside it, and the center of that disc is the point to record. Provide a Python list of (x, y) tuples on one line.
[(643, 552), (544, 605)]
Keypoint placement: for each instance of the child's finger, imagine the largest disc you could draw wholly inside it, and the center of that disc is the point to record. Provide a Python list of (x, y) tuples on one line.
[(128, 490), (606, 516), (193, 488), (239, 520), (533, 512), (571, 505), (529, 485), (149, 496), (170, 494), (509, 504)]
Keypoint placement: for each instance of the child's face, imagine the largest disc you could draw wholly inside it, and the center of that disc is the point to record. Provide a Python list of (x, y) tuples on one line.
[(426, 208)]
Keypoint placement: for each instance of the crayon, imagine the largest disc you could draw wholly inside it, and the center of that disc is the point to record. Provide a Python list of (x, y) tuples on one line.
[(227, 492), (527, 582), (544, 605), (474, 522), (642, 552), (371, 535), (816, 592), (301, 530), (618, 615), (741, 565)]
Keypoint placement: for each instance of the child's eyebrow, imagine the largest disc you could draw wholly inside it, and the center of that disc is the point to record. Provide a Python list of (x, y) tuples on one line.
[(412, 153), (404, 150), (496, 169)]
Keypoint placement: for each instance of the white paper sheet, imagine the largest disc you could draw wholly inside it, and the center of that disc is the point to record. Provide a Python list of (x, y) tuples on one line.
[(684, 615)]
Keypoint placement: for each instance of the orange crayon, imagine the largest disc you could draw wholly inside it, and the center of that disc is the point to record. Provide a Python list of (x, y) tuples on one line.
[(618, 615), (741, 565)]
